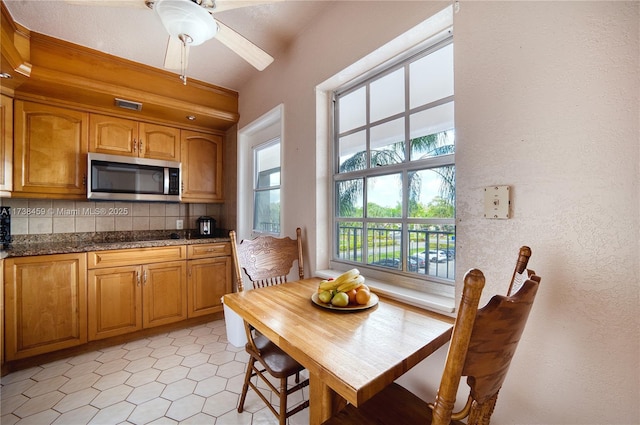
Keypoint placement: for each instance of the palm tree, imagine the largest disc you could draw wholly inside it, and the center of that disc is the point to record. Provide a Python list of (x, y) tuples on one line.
[(428, 146)]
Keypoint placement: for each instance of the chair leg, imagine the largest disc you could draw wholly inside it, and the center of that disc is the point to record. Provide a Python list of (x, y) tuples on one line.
[(245, 386), (283, 401)]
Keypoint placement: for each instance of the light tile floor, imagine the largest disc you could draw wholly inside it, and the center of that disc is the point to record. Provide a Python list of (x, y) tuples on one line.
[(189, 376)]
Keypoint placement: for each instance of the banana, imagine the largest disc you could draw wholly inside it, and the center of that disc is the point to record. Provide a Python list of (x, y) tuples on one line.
[(351, 284), (348, 275), (328, 285)]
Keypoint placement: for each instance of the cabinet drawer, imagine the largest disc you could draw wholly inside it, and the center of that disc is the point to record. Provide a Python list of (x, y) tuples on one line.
[(209, 250), (127, 257)]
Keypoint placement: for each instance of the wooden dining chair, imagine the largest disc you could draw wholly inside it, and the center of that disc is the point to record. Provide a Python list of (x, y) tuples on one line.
[(267, 260), (482, 346)]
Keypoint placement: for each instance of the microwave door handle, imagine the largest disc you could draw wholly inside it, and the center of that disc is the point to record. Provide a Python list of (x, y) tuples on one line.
[(166, 180)]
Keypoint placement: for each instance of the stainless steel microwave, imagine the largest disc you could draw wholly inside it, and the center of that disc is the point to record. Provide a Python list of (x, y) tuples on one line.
[(124, 178)]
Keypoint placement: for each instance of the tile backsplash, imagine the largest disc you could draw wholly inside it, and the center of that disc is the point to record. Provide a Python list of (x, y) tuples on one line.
[(44, 216)]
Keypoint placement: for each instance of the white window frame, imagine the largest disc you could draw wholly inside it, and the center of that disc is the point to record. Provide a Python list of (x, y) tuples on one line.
[(412, 281), (256, 189), (264, 129)]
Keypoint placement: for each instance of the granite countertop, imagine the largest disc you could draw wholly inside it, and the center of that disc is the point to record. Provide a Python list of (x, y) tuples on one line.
[(74, 243)]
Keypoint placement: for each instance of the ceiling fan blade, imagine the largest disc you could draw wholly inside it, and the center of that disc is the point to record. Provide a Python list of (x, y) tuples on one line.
[(222, 5), (243, 47), (173, 57), (139, 4)]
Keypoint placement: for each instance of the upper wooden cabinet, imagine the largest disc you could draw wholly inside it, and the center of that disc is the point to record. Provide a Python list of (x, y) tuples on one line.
[(6, 145), (121, 136), (201, 167), (50, 151)]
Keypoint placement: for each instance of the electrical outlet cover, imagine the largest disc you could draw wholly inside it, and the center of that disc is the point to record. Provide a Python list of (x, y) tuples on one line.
[(497, 201)]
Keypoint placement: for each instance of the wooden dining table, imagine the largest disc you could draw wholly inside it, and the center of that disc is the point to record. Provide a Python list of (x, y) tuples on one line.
[(350, 354)]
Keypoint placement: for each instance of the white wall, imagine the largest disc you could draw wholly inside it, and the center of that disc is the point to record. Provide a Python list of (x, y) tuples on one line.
[(546, 102)]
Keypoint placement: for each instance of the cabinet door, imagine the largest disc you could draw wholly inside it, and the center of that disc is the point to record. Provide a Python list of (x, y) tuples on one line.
[(113, 135), (209, 279), (159, 142), (115, 301), (50, 151), (164, 293), (46, 304), (6, 144), (201, 167), (1, 311)]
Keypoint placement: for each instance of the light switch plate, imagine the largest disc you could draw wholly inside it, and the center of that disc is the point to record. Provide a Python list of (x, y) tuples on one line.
[(497, 200)]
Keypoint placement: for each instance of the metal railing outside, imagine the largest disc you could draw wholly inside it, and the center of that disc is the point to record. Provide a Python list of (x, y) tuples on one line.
[(430, 252)]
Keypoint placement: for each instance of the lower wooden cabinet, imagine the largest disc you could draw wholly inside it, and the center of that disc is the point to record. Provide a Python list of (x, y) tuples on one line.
[(45, 304), (209, 277), (1, 311), (115, 301), (164, 293), (53, 302), (131, 297)]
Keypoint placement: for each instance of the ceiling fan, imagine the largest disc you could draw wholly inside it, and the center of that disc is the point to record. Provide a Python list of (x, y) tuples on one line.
[(192, 22)]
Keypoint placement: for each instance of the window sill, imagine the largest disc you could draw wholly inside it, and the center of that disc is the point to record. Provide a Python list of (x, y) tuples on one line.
[(433, 302)]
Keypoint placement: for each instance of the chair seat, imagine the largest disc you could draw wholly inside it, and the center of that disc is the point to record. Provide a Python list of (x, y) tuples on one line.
[(277, 362), (407, 410)]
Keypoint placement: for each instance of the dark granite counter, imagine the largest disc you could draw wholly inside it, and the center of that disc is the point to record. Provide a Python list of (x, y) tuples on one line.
[(73, 243)]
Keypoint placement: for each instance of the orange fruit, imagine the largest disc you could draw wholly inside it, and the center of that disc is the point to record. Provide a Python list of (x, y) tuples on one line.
[(352, 296), (363, 296)]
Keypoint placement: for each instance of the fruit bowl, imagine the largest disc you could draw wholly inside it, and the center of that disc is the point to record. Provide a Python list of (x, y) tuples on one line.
[(351, 307)]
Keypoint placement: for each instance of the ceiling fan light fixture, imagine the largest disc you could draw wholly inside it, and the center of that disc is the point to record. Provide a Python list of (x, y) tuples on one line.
[(184, 17)]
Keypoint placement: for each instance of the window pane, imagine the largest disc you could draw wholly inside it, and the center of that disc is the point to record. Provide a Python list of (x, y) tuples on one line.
[(431, 78), (268, 178), (267, 211), (432, 249), (385, 245), (352, 110), (268, 165), (387, 143), (432, 193), (431, 132), (353, 152), (349, 197), (350, 241), (387, 95), (384, 196)]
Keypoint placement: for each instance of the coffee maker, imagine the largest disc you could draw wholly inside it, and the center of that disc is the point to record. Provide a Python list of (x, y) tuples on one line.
[(206, 227)]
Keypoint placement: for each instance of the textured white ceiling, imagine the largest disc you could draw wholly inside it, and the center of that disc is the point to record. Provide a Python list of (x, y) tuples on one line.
[(135, 33)]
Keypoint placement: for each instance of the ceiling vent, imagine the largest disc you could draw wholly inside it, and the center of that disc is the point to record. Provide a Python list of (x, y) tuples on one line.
[(128, 104)]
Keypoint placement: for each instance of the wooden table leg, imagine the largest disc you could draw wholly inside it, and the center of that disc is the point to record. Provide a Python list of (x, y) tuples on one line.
[(320, 400), (323, 401)]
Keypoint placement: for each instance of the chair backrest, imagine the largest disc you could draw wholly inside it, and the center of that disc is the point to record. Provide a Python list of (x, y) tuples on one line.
[(266, 260), (521, 265), (482, 346)]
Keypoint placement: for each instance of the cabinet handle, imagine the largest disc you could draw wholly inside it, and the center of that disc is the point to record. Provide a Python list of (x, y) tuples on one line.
[(84, 180), (144, 278), (138, 277), (140, 145), (135, 145)]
